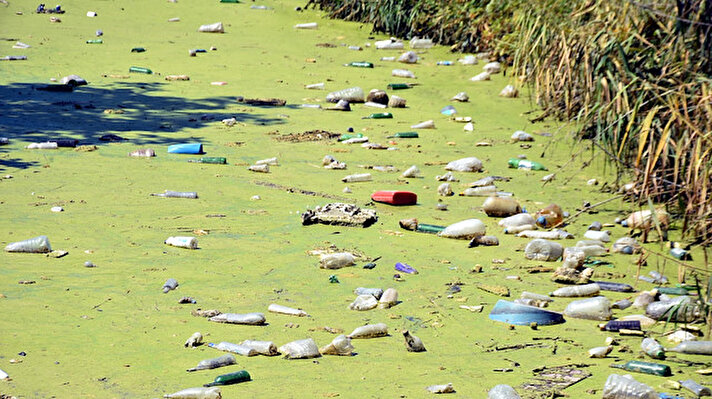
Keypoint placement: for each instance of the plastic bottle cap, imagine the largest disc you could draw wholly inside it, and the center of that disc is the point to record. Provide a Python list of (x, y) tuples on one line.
[(541, 220)]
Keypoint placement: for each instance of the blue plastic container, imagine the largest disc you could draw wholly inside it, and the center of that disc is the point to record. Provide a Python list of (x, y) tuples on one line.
[(523, 315), (187, 148)]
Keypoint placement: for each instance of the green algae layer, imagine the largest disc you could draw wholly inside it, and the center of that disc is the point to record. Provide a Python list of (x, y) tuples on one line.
[(110, 332)]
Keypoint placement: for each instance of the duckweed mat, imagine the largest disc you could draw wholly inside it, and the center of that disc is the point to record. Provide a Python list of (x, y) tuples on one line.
[(110, 332)]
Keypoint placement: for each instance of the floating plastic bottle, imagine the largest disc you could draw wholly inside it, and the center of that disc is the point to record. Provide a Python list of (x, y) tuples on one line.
[(182, 242), (360, 64), (140, 70), (369, 331), (543, 250), (615, 287), (194, 340), (359, 177), (196, 393), (696, 389), (444, 388), (211, 160), (238, 349), (525, 164), (604, 236), (556, 234), (352, 95), (388, 299), (403, 73), (617, 325), (38, 245), (600, 352), (501, 206), (274, 308), (421, 43), (485, 191), (404, 135), (445, 63), (399, 86), (364, 302), (375, 292), (221, 361), (308, 25), (336, 260), (577, 290), (231, 378), (661, 370), (502, 391), (678, 310), (652, 348), (240, 318), (212, 28), (95, 41), (176, 194), (625, 387), (429, 124), (340, 346), (300, 349), (465, 230), (693, 348), (596, 308), (538, 297), (520, 219), (266, 348), (389, 44), (380, 115), (170, 285), (43, 146), (550, 216), (413, 343), (470, 164), (405, 268), (186, 148)]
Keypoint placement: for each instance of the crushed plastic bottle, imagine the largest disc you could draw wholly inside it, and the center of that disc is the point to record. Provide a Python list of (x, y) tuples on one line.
[(170, 285), (626, 387)]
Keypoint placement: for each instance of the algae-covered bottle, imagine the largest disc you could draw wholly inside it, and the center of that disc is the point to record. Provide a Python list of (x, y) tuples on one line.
[(360, 64), (211, 160), (404, 135), (661, 370), (380, 115), (230, 378), (525, 164)]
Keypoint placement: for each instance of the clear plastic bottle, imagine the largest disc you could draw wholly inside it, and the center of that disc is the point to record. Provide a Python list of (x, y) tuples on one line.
[(359, 177), (196, 393), (176, 194), (625, 387), (221, 361), (652, 348), (577, 290), (693, 347), (182, 242), (32, 245), (550, 216), (403, 73), (696, 389), (596, 308), (170, 285), (502, 392), (352, 95), (241, 350)]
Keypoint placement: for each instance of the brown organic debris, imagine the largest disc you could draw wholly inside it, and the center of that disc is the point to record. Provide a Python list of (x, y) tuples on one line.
[(310, 135), (494, 289)]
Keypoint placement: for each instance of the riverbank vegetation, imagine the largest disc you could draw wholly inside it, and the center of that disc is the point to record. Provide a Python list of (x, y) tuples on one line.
[(633, 77)]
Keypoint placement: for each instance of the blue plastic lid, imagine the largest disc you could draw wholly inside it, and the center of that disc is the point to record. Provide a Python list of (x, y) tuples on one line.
[(541, 220)]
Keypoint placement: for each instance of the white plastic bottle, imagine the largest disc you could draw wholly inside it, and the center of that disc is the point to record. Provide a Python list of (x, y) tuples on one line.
[(183, 242), (359, 177)]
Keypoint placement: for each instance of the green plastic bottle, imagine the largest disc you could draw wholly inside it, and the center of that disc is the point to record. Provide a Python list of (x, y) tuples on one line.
[(380, 115), (95, 41), (229, 1), (661, 370), (672, 290), (229, 379), (429, 228), (404, 135), (213, 160), (347, 136), (525, 164), (360, 64), (399, 86), (140, 70)]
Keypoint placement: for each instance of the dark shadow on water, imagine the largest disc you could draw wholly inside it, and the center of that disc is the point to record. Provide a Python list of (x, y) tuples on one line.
[(149, 116)]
